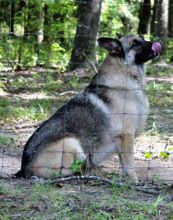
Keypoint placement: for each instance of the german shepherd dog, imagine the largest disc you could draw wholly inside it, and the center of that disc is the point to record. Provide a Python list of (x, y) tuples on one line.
[(102, 120)]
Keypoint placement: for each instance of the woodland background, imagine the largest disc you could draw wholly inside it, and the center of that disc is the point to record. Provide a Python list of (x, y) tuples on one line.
[(61, 34)]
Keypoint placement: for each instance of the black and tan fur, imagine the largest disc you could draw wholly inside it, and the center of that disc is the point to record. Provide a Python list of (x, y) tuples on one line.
[(103, 119)]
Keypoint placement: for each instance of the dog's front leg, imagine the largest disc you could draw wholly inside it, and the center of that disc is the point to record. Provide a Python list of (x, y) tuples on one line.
[(126, 155)]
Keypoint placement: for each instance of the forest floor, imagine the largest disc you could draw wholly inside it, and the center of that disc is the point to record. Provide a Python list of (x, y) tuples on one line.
[(30, 96)]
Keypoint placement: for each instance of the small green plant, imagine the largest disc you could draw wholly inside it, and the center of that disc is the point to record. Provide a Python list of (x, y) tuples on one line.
[(164, 155), (169, 148), (148, 155), (154, 129), (76, 166), (56, 174), (156, 179), (155, 206)]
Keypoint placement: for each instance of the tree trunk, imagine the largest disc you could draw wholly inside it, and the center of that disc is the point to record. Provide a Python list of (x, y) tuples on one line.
[(40, 23), (86, 34), (35, 13), (170, 23), (12, 12), (47, 22), (1, 14), (144, 17), (159, 27), (34, 23)]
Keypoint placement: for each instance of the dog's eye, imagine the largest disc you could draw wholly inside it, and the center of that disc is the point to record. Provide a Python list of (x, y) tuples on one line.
[(136, 43)]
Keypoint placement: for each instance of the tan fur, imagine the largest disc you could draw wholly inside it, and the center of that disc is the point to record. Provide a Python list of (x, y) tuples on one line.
[(58, 157)]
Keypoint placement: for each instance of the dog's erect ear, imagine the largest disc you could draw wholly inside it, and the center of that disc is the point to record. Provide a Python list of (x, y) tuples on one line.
[(112, 45), (142, 37), (118, 35)]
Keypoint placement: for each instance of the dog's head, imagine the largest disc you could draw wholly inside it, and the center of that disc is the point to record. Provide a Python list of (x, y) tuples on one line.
[(133, 50)]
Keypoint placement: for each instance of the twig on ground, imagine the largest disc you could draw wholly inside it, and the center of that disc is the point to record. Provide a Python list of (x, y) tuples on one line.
[(102, 179), (68, 93)]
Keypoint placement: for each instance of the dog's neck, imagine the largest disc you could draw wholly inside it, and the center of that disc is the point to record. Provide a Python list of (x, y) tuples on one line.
[(114, 73)]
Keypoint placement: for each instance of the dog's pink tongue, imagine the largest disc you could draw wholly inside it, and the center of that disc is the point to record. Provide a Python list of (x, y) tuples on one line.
[(156, 47)]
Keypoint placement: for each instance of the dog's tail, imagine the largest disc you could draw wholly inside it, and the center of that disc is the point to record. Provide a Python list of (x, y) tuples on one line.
[(20, 174)]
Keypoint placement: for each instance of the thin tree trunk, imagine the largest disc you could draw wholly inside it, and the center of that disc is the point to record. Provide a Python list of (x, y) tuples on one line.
[(46, 24), (2, 8), (86, 34), (40, 13), (170, 23), (159, 27), (35, 13), (12, 12), (144, 17)]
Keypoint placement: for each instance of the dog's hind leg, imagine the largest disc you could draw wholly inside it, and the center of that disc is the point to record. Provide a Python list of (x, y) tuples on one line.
[(126, 155), (72, 151), (57, 158)]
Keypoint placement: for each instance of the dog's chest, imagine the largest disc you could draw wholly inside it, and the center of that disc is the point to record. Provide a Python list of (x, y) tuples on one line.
[(128, 111)]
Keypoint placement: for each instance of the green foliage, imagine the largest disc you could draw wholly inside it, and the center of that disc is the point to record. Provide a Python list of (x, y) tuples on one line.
[(155, 206), (164, 155), (76, 166), (160, 94), (56, 19), (36, 110), (148, 155), (169, 149), (119, 17), (56, 174), (154, 128), (6, 139)]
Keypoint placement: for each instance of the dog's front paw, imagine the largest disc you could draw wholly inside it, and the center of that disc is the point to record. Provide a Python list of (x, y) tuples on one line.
[(131, 176)]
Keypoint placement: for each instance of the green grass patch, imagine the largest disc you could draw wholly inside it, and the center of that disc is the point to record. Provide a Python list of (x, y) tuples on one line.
[(36, 201), (158, 71), (36, 109), (48, 83), (6, 139), (160, 94)]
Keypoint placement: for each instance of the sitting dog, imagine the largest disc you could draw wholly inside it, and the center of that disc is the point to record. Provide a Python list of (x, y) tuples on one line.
[(101, 120)]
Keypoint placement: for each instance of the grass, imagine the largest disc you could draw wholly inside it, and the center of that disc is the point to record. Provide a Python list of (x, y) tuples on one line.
[(158, 71), (160, 94), (36, 109), (22, 200), (6, 139)]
